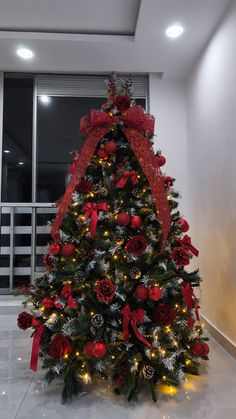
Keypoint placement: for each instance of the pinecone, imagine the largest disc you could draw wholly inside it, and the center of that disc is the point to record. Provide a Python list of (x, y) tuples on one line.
[(148, 372), (97, 321), (137, 192), (135, 273)]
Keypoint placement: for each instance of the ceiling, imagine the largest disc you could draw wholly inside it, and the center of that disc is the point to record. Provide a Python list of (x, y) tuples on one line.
[(97, 36)]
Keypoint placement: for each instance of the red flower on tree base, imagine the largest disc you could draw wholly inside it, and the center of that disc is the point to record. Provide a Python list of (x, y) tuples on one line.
[(164, 314), (24, 320), (105, 290), (47, 302), (180, 256), (137, 245), (122, 103), (60, 346)]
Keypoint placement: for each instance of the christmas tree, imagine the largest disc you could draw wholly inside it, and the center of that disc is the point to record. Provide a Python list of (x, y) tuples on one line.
[(116, 300)]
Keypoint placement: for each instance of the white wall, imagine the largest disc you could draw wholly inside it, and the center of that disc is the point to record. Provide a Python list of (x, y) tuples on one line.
[(211, 122), (167, 104)]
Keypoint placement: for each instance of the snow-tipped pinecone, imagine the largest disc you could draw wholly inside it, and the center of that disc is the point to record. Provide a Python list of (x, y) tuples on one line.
[(97, 321), (148, 372)]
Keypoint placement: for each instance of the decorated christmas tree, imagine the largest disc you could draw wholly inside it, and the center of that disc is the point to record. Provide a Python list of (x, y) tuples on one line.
[(116, 300)]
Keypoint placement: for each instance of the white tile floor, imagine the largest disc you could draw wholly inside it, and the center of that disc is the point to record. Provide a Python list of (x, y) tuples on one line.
[(212, 396)]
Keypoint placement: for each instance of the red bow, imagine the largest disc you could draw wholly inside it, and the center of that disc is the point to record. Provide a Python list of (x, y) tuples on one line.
[(67, 293), (133, 317), (39, 329), (134, 117), (124, 178), (92, 209), (186, 243)]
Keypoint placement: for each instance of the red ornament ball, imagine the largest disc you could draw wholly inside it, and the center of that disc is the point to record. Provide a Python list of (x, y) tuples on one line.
[(199, 348), (183, 225), (135, 222), (155, 293), (99, 349), (55, 248), (123, 218), (88, 349), (68, 250), (141, 292), (102, 154), (161, 160), (110, 147)]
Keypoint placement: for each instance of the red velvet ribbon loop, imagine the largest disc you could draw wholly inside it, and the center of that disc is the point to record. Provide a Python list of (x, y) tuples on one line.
[(124, 178), (39, 329), (186, 243), (190, 299), (91, 210), (133, 318)]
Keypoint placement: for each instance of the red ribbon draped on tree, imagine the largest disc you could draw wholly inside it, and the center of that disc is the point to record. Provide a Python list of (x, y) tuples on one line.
[(39, 329), (137, 127), (186, 243), (133, 318), (91, 210)]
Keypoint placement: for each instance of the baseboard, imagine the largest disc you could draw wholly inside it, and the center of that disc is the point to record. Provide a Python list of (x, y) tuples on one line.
[(223, 340)]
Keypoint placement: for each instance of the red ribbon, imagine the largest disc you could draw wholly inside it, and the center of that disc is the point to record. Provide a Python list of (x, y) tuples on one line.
[(188, 295), (91, 210), (133, 318), (186, 243), (39, 329), (124, 178), (67, 293), (96, 127)]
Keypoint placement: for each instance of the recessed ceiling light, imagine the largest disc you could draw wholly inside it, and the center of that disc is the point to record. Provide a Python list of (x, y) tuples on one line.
[(45, 99), (174, 31), (20, 163), (25, 53), (6, 151)]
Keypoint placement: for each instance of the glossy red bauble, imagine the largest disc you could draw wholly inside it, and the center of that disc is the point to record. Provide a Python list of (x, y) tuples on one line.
[(55, 248), (68, 250), (88, 349), (102, 154), (155, 293), (99, 349), (135, 222), (183, 225), (110, 147), (123, 218), (200, 348), (141, 292), (161, 160)]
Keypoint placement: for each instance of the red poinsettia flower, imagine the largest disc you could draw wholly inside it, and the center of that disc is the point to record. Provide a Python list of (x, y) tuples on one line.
[(24, 320), (60, 346), (163, 314), (180, 256), (136, 245), (105, 290), (84, 186)]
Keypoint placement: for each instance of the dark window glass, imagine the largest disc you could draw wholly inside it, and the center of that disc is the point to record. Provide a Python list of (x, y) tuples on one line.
[(21, 280), (4, 283), (58, 120), (17, 140)]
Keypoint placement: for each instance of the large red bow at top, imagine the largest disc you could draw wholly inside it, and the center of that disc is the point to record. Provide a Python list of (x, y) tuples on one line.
[(91, 210), (134, 117), (133, 318), (137, 126)]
